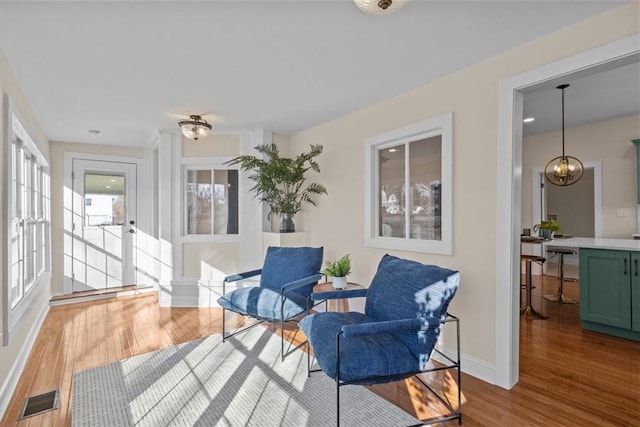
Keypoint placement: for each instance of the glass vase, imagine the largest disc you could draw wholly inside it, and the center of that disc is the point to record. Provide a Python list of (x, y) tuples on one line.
[(286, 223)]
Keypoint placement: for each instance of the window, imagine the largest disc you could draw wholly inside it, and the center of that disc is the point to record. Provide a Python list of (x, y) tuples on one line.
[(408, 188), (27, 222), (211, 201)]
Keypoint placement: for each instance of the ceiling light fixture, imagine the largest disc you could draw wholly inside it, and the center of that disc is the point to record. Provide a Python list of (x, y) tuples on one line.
[(379, 7), (195, 128), (563, 170), (529, 119)]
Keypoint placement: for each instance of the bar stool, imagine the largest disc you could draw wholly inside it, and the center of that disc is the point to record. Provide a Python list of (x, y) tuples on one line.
[(528, 311), (561, 252)]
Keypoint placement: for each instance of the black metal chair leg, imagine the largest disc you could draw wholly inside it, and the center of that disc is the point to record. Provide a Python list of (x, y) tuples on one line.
[(223, 325), (338, 403), (338, 379), (308, 359), (282, 339)]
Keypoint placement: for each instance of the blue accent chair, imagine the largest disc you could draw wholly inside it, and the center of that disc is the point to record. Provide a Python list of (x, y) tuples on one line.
[(287, 278), (405, 310)]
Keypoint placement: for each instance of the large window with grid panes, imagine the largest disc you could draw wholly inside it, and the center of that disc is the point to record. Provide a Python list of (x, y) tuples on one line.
[(27, 222)]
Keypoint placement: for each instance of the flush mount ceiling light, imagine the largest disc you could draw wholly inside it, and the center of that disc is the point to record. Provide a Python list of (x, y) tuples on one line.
[(195, 128), (379, 7), (563, 170)]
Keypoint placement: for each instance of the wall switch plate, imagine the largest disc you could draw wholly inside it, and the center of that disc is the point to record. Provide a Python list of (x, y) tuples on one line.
[(622, 212)]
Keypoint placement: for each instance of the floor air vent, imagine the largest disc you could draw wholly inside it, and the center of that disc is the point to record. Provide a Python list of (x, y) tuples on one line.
[(36, 405)]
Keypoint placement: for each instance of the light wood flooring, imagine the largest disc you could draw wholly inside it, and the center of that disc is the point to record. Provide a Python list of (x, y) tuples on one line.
[(568, 377)]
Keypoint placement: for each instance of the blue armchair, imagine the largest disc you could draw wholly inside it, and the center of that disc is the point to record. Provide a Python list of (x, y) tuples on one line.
[(406, 307), (286, 282)]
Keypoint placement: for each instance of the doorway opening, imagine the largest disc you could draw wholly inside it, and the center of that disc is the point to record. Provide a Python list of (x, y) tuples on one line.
[(578, 209), (509, 185), (102, 249)]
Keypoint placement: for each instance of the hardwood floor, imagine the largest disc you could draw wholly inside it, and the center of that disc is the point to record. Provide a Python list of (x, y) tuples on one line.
[(567, 376)]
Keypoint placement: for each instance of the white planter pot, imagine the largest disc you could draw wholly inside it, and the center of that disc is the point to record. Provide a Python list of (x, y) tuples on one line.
[(339, 282)]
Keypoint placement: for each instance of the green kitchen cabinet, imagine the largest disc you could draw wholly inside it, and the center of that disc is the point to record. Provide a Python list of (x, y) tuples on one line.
[(635, 291), (610, 292)]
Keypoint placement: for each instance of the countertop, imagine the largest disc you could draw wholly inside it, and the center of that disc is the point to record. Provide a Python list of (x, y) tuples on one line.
[(595, 243)]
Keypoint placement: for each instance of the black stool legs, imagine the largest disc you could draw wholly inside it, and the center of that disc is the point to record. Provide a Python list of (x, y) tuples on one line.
[(528, 311), (560, 295)]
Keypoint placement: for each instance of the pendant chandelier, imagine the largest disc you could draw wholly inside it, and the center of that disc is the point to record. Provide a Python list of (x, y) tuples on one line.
[(194, 128), (564, 170), (379, 7)]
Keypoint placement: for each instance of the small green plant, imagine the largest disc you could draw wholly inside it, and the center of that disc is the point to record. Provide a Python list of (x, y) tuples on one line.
[(551, 225), (339, 268)]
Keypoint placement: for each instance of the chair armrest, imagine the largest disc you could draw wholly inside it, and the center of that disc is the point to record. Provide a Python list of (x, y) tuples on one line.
[(242, 276), (388, 326), (300, 283), (338, 294), (239, 276)]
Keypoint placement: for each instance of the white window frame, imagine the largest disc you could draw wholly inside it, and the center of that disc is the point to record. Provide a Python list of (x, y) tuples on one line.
[(26, 149), (438, 126), (207, 163)]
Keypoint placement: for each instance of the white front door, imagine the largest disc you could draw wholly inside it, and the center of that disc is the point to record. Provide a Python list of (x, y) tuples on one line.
[(104, 224)]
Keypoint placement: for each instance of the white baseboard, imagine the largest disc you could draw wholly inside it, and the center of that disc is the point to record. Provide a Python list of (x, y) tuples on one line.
[(10, 383), (470, 365), (76, 300), (189, 292)]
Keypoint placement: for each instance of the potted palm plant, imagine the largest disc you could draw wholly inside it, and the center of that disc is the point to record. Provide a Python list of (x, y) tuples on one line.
[(338, 270), (281, 181)]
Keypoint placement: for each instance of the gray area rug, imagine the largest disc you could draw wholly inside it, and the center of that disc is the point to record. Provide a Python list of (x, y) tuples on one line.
[(241, 382)]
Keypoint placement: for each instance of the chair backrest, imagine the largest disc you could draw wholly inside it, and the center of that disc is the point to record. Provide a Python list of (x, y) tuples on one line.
[(283, 265), (404, 289)]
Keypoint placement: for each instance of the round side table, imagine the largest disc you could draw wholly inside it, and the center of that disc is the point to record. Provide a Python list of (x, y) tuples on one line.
[(340, 305)]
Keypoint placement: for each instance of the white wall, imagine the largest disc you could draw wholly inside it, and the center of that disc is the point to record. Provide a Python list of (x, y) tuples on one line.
[(607, 141), (472, 95), (574, 205)]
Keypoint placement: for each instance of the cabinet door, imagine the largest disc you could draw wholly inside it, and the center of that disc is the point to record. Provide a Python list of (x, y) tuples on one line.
[(605, 288), (635, 291)]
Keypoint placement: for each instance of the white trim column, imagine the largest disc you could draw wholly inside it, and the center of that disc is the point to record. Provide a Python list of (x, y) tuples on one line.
[(166, 180), (253, 213)]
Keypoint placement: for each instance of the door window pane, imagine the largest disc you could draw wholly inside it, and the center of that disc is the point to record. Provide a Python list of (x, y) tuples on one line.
[(104, 200)]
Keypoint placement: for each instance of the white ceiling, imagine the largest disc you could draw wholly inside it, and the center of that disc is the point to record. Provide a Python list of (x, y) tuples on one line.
[(130, 68), (588, 99)]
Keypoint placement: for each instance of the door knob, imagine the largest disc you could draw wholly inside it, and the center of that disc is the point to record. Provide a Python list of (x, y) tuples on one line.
[(131, 230), (132, 222)]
